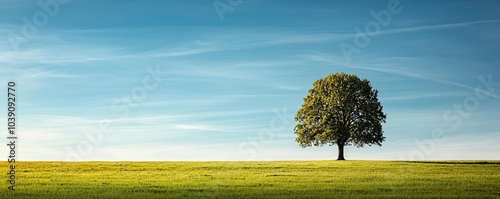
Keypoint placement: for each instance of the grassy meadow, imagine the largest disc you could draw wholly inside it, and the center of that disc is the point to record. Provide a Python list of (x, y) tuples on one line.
[(274, 179)]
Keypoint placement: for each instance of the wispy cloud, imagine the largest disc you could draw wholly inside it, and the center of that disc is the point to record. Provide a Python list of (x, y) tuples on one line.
[(420, 76), (48, 74), (385, 66), (57, 55), (198, 127), (438, 26), (420, 96)]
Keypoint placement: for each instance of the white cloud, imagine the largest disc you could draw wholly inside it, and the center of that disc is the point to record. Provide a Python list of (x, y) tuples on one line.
[(437, 27), (198, 127)]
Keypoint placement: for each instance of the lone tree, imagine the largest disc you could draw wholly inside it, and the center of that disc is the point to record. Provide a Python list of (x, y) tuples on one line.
[(340, 109)]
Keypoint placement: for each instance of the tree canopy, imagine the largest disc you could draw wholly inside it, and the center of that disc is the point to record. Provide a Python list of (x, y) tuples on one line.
[(340, 109)]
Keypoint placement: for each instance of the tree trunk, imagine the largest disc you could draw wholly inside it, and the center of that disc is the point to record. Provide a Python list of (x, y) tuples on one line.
[(341, 152)]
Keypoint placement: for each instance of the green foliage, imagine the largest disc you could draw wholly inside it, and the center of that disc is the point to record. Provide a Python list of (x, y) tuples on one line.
[(340, 109), (270, 179)]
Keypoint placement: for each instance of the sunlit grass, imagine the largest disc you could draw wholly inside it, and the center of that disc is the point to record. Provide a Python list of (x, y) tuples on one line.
[(278, 179)]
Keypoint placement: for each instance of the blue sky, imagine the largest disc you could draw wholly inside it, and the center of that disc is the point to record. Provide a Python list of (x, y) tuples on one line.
[(228, 88)]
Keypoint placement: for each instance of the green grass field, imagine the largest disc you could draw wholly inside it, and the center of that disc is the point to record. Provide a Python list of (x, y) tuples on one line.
[(278, 179)]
